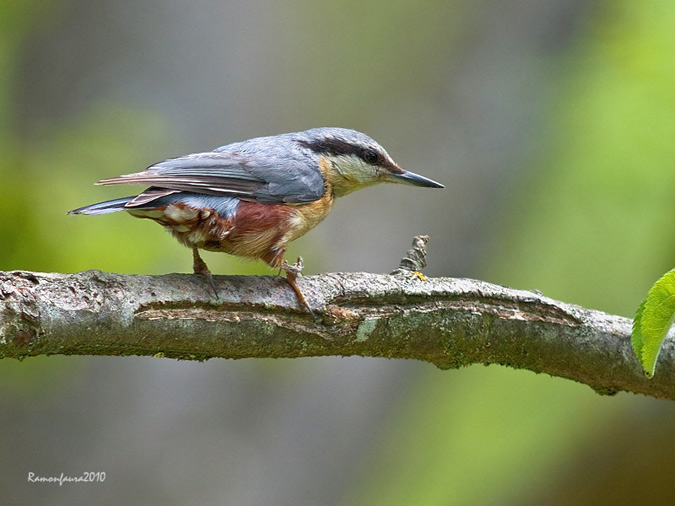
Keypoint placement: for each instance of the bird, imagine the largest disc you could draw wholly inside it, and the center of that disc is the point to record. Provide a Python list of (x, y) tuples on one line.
[(251, 198)]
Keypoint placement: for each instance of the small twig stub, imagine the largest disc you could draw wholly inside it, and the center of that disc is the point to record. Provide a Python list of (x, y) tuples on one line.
[(416, 258)]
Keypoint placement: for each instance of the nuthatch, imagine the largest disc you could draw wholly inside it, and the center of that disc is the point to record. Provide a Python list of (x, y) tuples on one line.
[(251, 198)]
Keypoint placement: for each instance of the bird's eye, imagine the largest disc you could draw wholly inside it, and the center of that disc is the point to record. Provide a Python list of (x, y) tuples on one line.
[(371, 156)]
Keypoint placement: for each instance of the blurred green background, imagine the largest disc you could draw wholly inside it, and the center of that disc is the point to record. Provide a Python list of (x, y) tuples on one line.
[(551, 125)]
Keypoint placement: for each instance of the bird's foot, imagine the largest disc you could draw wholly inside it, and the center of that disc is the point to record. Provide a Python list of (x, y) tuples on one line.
[(199, 267), (293, 271)]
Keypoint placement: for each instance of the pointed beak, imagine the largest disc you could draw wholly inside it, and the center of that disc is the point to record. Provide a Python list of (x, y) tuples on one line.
[(414, 179)]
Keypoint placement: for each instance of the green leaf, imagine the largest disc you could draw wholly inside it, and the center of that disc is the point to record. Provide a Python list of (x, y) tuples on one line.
[(652, 321)]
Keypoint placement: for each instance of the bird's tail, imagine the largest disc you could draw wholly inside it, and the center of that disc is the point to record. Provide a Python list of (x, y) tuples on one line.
[(109, 206)]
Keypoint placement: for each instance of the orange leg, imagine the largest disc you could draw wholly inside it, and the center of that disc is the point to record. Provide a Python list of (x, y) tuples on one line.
[(292, 273)]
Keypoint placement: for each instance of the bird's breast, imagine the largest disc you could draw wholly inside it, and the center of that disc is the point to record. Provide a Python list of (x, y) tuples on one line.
[(309, 215)]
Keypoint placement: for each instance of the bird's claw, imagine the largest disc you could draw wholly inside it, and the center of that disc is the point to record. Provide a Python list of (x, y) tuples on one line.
[(292, 273), (293, 269)]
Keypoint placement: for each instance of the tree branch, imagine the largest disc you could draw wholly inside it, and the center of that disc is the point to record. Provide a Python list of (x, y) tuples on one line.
[(449, 322)]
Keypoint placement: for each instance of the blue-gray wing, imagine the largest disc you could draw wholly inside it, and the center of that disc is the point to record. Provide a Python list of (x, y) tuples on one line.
[(269, 179)]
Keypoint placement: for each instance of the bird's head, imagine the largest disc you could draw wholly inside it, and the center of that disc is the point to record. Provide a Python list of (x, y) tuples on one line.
[(352, 160)]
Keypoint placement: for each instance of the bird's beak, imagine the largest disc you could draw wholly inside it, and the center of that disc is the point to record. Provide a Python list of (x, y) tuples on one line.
[(406, 177)]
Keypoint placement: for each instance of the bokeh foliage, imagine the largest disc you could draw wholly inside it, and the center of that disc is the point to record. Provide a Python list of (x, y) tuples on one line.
[(589, 222)]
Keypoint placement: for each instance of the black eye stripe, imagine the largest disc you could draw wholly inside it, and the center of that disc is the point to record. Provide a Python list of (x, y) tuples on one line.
[(337, 147), (332, 147)]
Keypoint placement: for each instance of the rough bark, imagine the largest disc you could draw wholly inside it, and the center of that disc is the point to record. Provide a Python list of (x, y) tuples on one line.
[(446, 321)]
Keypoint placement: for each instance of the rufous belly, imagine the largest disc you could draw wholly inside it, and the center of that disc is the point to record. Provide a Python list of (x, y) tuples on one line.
[(255, 230)]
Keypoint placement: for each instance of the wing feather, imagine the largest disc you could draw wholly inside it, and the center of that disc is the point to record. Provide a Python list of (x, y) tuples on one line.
[(266, 177)]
